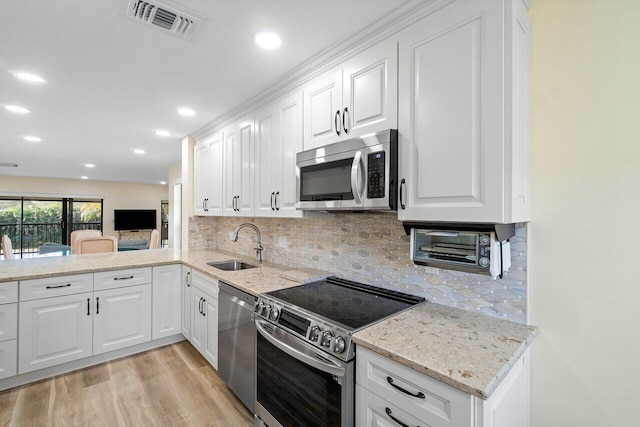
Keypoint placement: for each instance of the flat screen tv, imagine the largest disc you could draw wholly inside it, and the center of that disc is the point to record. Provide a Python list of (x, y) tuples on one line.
[(134, 219)]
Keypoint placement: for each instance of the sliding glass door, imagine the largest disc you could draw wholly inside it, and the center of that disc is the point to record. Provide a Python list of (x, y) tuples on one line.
[(42, 226)]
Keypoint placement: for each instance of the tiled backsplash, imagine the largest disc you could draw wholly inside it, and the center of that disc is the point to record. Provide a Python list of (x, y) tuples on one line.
[(374, 249)]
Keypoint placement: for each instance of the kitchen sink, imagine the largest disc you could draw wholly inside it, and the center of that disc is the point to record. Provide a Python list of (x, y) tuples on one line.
[(232, 265)]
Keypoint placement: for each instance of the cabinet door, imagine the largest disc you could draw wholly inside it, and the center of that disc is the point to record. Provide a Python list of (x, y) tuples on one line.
[(122, 318), (370, 90), (8, 358), (8, 321), (289, 132), (213, 204), (54, 330), (211, 315), (230, 186), (451, 107), (185, 285), (238, 176), (322, 110), (198, 320), (267, 149), (208, 176), (167, 304), (201, 177), (245, 164)]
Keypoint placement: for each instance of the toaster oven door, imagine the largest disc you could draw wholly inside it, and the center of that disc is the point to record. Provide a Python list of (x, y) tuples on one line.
[(441, 248)]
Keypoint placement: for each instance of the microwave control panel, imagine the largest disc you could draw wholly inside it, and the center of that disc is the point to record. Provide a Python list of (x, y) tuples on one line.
[(375, 175)]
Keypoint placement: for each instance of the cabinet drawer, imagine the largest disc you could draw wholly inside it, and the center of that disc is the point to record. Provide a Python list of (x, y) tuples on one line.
[(8, 321), (205, 283), (8, 358), (8, 292), (121, 278), (439, 404), (374, 411), (55, 286)]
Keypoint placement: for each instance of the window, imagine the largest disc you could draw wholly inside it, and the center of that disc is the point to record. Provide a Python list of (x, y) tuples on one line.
[(43, 225)]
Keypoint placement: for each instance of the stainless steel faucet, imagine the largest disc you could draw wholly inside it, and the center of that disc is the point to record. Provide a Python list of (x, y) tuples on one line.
[(259, 247)]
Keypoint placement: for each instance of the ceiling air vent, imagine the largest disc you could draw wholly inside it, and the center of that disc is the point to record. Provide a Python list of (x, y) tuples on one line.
[(163, 15)]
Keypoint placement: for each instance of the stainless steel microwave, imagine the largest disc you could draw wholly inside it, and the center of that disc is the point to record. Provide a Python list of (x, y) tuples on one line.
[(471, 251), (359, 174)]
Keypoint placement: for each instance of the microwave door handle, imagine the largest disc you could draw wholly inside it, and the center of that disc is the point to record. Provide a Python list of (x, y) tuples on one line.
[(355, 168)]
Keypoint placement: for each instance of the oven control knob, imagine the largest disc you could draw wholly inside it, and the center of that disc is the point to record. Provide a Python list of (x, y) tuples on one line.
[(326, 339), (273, 315), (315, 333), (484, 262), (266, 310), (338, 345), (259, 307)]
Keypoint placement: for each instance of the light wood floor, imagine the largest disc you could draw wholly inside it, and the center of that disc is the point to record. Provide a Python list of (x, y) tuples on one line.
[(168, 386)]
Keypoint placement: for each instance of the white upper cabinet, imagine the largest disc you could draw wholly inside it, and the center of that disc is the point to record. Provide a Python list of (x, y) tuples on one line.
[(239, 168), (208, 176), (278, 137), (356, 98), (464, 114)]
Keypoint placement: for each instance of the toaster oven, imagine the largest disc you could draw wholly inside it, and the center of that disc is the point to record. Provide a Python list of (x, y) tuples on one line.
[(470, 251)]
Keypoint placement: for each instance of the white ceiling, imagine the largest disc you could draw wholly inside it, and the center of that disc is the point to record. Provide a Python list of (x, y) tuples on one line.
[(111, 82)]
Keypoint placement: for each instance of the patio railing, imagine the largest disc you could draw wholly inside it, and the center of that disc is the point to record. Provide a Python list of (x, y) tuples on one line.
[(32, 236)]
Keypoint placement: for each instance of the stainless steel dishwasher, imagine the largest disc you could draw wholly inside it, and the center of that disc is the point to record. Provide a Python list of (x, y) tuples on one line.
[(237, 343)]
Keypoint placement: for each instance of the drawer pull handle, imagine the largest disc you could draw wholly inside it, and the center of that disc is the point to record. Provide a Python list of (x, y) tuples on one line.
[(98, 305), (123, 278), (88, 306), (419, 394), (388, 411), (59, 286)]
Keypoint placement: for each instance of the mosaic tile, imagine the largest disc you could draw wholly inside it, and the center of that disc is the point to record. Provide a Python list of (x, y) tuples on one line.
[(370, 248)]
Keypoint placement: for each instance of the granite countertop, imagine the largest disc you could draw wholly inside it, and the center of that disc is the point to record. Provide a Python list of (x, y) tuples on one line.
[(264, 278), (469, 351)]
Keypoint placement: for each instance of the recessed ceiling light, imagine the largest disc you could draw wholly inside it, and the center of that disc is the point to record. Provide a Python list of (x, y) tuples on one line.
[(16, 109), (184, 111), (161, 132), (163, 182), (138, 151), (84, 177), (267, 39), (89, 165), (28, 77), (32, 138)]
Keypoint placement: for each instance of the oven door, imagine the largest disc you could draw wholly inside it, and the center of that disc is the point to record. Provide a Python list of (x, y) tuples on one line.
[(299, 386)]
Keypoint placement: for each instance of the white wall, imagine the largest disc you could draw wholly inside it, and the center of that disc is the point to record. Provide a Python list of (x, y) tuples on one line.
[(584, 267), (117, 195)]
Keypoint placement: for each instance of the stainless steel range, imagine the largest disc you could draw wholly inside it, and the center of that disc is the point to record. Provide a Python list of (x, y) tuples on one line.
[(305, 357)]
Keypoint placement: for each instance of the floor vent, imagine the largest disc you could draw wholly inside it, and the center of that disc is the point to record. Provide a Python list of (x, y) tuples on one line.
[(163, 15)]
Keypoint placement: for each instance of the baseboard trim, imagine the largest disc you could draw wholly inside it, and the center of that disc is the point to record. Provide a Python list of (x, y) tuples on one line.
[(64, 368)]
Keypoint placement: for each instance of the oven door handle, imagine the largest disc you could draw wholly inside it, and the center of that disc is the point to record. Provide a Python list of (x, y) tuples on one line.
[(300, 351)]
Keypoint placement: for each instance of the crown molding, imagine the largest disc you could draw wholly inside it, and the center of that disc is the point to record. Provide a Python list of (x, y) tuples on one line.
[(328, 58)]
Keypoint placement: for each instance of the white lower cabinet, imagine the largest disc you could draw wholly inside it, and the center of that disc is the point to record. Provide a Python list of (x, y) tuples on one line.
[(8, 358), (8, 329), (122, 318), (391, 394), (55, 330), (63, 319), (185, 289), (204, 317), (167, 304)]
